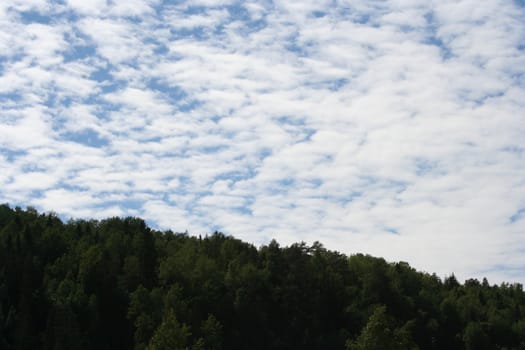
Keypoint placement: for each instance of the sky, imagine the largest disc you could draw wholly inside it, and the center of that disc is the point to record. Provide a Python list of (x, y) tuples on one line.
[(394, 128)]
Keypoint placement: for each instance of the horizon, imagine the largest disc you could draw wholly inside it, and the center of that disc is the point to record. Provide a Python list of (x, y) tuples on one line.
[(392, 128), (73, 221)]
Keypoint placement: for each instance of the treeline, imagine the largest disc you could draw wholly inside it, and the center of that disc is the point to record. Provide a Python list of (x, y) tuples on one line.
[(117, 284)]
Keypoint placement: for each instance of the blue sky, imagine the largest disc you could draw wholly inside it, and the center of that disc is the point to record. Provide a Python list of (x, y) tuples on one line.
[(394, 128)]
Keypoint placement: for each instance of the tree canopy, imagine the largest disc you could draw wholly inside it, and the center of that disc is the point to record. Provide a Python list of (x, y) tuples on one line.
[(118, 284)]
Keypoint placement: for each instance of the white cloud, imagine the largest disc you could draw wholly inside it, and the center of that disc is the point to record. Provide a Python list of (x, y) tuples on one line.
[(115, 40), (393, 128), (133, 8), (31, 129), (23, 5), (91, 8)]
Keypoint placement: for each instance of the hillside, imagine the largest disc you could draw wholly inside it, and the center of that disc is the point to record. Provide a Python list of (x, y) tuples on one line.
[(117, 284)]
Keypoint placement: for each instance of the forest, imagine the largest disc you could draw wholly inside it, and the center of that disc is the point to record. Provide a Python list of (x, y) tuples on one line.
[(119, 284)]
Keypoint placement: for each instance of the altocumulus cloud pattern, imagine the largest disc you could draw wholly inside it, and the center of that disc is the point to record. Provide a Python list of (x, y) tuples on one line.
[(395, 128)]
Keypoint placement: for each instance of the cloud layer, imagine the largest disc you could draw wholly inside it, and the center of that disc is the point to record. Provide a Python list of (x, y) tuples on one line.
[(395, 128)]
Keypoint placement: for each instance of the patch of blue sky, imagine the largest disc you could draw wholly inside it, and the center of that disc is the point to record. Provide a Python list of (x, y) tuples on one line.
[(161, 49), (87, 137), (244, 210), (318, 14), (238, 175), (353, 195), (67, 186), (517, 150), (391, 230), (107, 84), (37, 193), (101, 74), (164, 196), (64, 101), (520, 47), (399, 186), (174, 93), (468, 143), (187, 104), (392, 184), (467, 95), (517, 216), (184, 181), (33, 16), (78, 52), (367, 180), (327, 158), (178, 153), (195, 9), (331, 84), (446, 53), (250, 26), (286, 182), (355, 16), (6, 100), (336, 84), (304, 134), (33, 167), (151, 139), (12, 154), (299, 49), (264, 153), (109, 204), (216, 119), (196, 196), (519, 78), (424, 166), (53, 99), (108, 198), (103, 107), (213, 228), (67, 13), (432, 39), (213, 149), (238, 12), (291, 120), (315, 182), (296, 126), (406, 28), (342, 198), (199, 33), (10, 57), (106, 87), (366, 15), (277, 188)]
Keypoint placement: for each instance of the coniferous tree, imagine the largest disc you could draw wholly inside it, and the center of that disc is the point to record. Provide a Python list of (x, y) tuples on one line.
[(117, 284)]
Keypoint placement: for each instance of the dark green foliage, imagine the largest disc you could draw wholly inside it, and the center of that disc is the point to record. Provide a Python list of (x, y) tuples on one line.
[(117, 284), (378, 334), (170, 335)]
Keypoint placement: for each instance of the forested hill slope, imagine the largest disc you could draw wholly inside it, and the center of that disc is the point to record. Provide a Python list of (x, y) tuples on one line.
[(117, 284)]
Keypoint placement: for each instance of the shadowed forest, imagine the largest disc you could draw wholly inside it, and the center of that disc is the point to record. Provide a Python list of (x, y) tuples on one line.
[(118, 284)]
